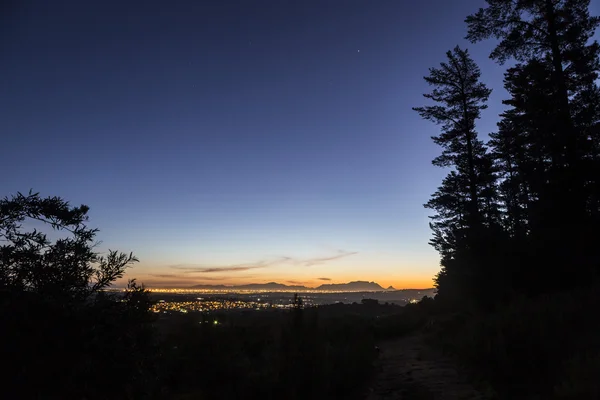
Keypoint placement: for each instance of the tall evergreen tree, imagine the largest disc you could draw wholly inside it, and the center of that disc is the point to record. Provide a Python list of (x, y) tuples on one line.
[(465, 203), (525, 145)]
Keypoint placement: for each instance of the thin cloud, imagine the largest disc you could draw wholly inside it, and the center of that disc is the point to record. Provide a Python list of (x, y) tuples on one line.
[(217, 269), (213, 278), (324, 279), (228, 268), (307, 262), (321, 260)]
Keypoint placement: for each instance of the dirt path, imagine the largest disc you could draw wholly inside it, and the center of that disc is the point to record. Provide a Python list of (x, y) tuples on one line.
[(411, 370)]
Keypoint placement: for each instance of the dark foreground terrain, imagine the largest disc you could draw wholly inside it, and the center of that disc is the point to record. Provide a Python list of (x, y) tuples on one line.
[(326, 352), (544, 347), (409, 368)]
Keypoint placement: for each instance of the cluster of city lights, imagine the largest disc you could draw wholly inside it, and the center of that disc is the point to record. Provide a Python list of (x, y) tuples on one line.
[(201, 305)]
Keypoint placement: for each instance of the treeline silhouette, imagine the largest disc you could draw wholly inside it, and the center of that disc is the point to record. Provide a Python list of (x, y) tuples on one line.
[(516, 219)]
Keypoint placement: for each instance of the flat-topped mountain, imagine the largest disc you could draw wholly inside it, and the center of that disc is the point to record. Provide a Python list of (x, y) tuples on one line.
[(356, 286)]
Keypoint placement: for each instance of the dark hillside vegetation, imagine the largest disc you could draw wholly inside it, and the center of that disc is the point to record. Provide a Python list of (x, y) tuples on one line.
[(324, 352)]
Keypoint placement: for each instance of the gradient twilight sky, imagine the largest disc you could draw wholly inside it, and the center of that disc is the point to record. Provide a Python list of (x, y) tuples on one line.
[(272, 139)]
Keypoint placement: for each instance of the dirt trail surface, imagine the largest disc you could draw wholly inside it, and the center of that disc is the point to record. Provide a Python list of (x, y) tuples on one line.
[(408, 369)]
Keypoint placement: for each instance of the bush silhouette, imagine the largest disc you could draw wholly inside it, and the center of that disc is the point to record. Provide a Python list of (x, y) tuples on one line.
[(63, 336)]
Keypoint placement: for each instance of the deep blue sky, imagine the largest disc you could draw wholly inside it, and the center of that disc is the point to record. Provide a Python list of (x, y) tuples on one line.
[(218, 133)]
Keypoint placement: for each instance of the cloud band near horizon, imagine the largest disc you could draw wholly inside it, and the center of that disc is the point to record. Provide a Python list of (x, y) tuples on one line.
[(203, 269)]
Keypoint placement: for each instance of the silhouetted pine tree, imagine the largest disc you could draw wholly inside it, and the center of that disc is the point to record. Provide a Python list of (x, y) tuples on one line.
[(466, 202), (546, 148), (526, 143)]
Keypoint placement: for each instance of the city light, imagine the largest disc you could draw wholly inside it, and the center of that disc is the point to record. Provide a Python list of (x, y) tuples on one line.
[(212, 305)]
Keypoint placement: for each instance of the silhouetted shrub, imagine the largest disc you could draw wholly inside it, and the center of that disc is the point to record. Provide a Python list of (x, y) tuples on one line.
[(62, 336)]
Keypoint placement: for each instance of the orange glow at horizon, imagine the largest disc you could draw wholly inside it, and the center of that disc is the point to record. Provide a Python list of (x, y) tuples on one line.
[(413, 271), (397, 283)]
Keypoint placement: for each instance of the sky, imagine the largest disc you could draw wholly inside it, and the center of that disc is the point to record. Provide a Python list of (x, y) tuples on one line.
[(231, 142)]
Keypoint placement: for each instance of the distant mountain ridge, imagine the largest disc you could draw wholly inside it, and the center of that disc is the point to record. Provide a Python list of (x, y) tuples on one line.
[(356, 286)]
